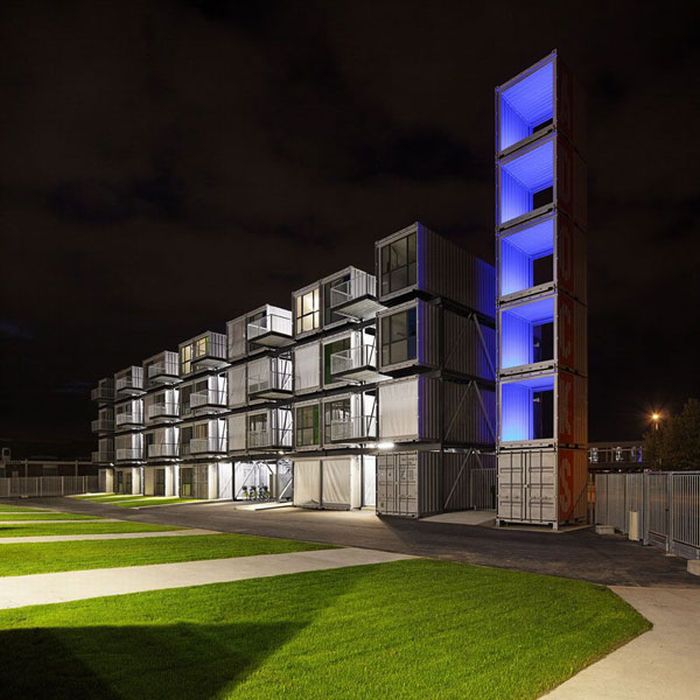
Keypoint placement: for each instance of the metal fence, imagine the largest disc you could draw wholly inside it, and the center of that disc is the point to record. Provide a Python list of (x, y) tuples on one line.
[(35, 486), (667, 505)]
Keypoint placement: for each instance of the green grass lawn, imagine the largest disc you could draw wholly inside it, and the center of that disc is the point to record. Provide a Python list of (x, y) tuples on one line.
[(45, 515), (410, 629), (5, 508), (29, 529), (20, 559), (153, 501), (109, 497)]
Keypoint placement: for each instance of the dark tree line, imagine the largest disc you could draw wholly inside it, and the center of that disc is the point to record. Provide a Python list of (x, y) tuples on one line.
[(675, 445)]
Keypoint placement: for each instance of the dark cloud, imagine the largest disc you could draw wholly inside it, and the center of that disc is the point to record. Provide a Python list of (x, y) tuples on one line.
[(169, 165)]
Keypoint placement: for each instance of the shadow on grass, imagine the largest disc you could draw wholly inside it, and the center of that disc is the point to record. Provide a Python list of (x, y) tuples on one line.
[(161, 661)]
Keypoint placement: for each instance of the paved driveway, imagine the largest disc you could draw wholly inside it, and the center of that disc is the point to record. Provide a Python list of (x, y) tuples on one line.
[(579, 554)]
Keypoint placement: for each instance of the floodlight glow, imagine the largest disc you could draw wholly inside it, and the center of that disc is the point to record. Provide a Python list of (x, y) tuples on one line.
[(519, 252), (385, 445)]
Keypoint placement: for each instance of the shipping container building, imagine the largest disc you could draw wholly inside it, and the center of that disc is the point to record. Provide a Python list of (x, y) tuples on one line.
[(541, 223)]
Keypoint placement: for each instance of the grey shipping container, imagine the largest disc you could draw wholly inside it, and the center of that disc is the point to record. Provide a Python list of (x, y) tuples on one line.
[(443, 269)]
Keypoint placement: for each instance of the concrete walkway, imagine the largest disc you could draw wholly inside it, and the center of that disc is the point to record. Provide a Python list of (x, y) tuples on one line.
[(662, 663), (110, 536), (38, 589)]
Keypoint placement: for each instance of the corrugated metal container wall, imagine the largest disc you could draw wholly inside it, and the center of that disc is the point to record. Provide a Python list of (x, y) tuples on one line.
[(463, 349), (572, 420), (573, 484), (570, 183), (572, 335), (456, 480), (571, 256), (465, 420), (429, 408), (446, 270), (236, 338), (570, 106), (428, 320)]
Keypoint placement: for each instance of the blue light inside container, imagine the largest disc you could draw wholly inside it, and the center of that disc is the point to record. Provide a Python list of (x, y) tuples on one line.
[(517, 331), (522, 177), (517, 407), (520, 250), (526, 104)]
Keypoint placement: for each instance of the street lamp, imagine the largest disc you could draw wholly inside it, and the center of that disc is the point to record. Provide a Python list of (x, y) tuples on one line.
[(656, 419)]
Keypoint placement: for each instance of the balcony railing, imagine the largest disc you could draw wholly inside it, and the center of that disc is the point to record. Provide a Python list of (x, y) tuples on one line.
[(360, 357), (354, 429), (205, 445), (163, 449), (102, 393), (163, 369), (130, 418), (211, 397), (102, 425), (169, 409), (129, 453), (270, 323), (361, 284), (270, 382), (102, 456), (282, 437), (129, 383)]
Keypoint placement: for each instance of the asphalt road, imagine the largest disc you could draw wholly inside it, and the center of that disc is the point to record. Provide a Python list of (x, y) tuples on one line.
[(575, 554)]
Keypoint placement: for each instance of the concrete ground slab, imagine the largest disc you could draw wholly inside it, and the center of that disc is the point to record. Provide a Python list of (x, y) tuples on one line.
[(464, 517), (107, 536), (39, 589), (662, 663)]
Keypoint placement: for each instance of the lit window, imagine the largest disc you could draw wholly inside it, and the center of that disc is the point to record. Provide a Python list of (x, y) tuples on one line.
[(308, 315)]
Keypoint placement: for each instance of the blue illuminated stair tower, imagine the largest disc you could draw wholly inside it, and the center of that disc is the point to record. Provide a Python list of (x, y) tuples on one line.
[(541, 288)]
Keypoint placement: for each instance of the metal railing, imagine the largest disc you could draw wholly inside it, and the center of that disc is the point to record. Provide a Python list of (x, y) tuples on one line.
[(667, 505), (360, 284), (354, 358), (102, 425), (166, 368), (204, 445), (37, 486), (129, 418), (211, 397), (102, 457), (169, 409), (163, 449), (129, 382), (282, 437), (270, 381), (214, 348), (102, 393), (354, 429), (270, 323), (129, 453)]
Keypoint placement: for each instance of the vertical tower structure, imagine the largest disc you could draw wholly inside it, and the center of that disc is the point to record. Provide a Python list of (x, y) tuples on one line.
[(541, 297)]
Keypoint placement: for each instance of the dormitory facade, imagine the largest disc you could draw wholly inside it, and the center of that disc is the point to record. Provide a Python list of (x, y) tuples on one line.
[(435, 383)]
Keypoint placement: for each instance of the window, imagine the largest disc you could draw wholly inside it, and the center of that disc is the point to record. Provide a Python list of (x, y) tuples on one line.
[(308, 315), (201, 347), (307, 426), (328, 350), (543, 342), (337, 411), (398, 260), (186, 359), (399, 337), (257, 424)]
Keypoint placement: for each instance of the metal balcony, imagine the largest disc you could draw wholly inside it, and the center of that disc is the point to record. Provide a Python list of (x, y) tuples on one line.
[(129, 386), (129, 419), (162, 449), (269, 439), (209, 401), (354, 429), (102, 425), (358, 363), (213, 356), (270, 385), (102, 393), (272, 330), (212, 445), (102, 457), (165, 412), (129, 454), (164, 372), (356, 297)]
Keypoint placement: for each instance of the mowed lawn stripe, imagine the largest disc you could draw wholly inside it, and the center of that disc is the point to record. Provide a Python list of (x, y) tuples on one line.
[(46, 515), (410, 629), (22, 559), (27, 529), (154, 501)]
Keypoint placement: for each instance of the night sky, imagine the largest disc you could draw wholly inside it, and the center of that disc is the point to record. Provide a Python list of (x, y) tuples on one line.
[(167, 166)]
